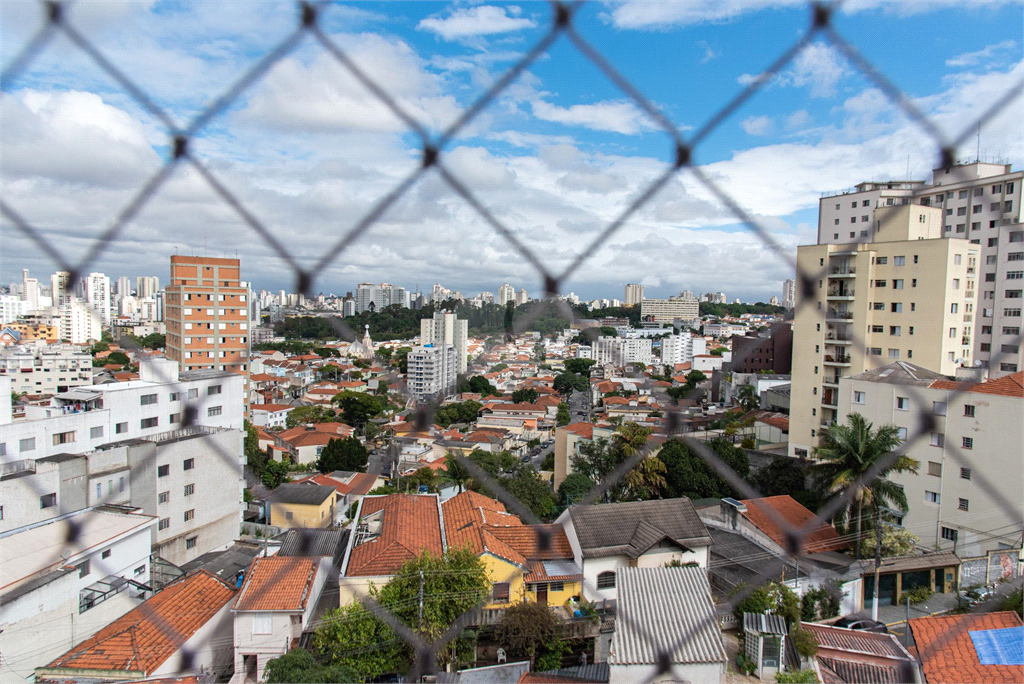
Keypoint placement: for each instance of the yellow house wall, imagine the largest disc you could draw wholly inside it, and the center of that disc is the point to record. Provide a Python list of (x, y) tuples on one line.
[(499, 570), (558, 598), (302, 516)]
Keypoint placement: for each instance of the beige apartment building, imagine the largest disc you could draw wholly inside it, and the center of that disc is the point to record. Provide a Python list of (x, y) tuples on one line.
[(978, 201), (684, 306), (907, 294), (207, 314), (966, 494)]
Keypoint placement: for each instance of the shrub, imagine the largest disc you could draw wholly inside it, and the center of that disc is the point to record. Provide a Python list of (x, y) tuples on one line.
[(917, 595), (746, 666), (1014, 601), (798, 677), (804, 642)]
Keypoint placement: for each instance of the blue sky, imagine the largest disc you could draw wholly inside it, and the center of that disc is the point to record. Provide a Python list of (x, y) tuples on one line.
[(556, 156)]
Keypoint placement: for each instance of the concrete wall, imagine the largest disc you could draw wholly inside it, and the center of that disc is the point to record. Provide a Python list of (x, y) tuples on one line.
[(209, 648), (698, 672)]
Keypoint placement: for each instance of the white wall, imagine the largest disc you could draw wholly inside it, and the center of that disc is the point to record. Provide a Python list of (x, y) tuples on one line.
[(210, 648), (697, 672)]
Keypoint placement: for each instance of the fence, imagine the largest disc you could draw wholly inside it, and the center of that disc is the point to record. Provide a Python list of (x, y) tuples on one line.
[(561, 28), (992, 567)]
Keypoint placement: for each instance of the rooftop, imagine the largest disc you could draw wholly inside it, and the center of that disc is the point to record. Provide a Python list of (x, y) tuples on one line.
[(277, 583), (145, 637), (391, 530), (302, 494), (764, 513), (901, 373), (947, 652), (633, 527), (662, 608), (1007, 386)]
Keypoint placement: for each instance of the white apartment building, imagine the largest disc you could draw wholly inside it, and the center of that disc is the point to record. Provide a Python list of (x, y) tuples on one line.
[(432, 372), (789, 293), (446, 328), (146, 287), (87, 417), (46, 369), (29, 290), (55, 595), (379, 296), (78, 323), (618, 351), (11, 309), (724, 329), (682, 348), (684, 306), (94, 290), (59, 283), (634, 294), (124, 286), (506, 294), (907, 294), (977, 435), (980, 202)]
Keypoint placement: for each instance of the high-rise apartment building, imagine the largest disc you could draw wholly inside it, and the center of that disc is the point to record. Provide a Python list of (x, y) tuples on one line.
[(522, 297), (59, 283), (432, 372), (618, 351), (146, 287), (446, 328), (29, 290), (506, 293), (980, 202), (78, 323), (789, 293), (684, 307), (376, 297), (94, 290), (124, 286), (681, 348), (207, 314), (634, 294), (908, 293)]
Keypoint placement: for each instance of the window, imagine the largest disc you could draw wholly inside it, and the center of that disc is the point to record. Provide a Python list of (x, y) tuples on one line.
[(1009, 348), (163, 471), (878, 306), (189, 463), (164, 497), (262, 623), (1015, 256), (63, 438), (976, 209), (214, 411), (500, 592), (606, 580), (949, 534), (896, 307), (1010, 330), (174, 396), (899, 261), (164, 524), (213, 389), (864, 219), (173, 418), (934, 469), (28, 444), (105, 555), (938, 439), (149, 422), (84, 568), (1014, 275), (147, 399), (193, 393), (903, 403), (897, 284), (894, 330), (1013, 294), (956, 283), (882, 260), (1008, 367), (99, 490), (288, 515), (121, 428), (902, 432), (939, 408), (964, 505), (190, 489), (120, 484), (1011, 313), (190, 514), (878, 328), (48, 500), (931, 497), (894, 353), (859, 397), (96, 432), (1008, 207), (879, 283), (1017, 236), (190, 542), (961, 211), (968, 442), (910, 330), (990, 277), (141, 570), (874, 351)]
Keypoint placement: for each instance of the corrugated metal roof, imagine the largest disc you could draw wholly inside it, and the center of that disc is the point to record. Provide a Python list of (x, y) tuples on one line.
[(558, 568), (661, 607), (760, 623)]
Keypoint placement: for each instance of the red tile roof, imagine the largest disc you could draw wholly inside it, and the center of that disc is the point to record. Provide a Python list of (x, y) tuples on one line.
[(272, 407), (822, 537), (584, 430), (1008, 386), (277, 583), (144, 638), (410, 525), (947, 653)]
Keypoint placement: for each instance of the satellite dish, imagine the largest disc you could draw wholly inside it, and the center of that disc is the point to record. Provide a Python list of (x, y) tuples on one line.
[(959, 361)]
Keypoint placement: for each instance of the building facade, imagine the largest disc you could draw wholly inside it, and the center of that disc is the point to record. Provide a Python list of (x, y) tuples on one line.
[(771, 351), (432, 372), (207, 314), (447, 329), (618, 351), (684, 307), (634, 294), (46, 370), (907, 294)]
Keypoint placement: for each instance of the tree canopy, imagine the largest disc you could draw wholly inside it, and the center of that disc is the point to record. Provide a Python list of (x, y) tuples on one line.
[(478, 384), (524, 396), (300, 415), (687, 474), (358, 407), (579, 366), (566, 383), (299, 666), (464, 412), (342, 454)]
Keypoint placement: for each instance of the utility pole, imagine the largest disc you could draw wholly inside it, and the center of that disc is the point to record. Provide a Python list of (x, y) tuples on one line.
[(878, 561), (420, 619)]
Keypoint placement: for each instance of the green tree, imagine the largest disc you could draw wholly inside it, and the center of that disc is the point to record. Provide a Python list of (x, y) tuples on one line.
[(274, 473), (566, 383), (527, 486), (525, 628), (255, 458), (353, 637), (118, 357), (785, 475), (300, 415), (608, 331), (896, 541), (457, 472), (401, 359), (771, 597), (846, 455), (154, 341), (747, 397), (524, 396), (599, 459), (695, 376), (299, 666), (342, 454), (100, 347), (562, 417), (478, 384), (573, 488), (464, 412), (357, 407), (687, 474), (579, 366)]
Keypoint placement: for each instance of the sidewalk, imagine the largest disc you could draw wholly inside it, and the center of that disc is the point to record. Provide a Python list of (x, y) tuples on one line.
[(891, 615)]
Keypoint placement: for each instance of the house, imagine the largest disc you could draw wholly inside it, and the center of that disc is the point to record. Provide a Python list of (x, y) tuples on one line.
[(769, 514), (276, 602), (520, 565), (939, 571), (959, 648), (609, 537), (302, 505), (850, 656), (349, 487), (54, 595), (305, 442), (183, 630), (270, 415), (666, 610)]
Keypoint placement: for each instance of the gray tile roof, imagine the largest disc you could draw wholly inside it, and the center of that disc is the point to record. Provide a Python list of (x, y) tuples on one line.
[(900, 373), (302, 493), (313, 542), (632, 527), (661, 607)]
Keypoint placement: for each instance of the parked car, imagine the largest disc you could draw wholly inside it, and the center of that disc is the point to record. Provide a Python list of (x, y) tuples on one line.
[(862, 624)]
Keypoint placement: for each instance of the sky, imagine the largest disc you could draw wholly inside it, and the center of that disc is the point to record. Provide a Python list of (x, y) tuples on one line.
[(556, 157)]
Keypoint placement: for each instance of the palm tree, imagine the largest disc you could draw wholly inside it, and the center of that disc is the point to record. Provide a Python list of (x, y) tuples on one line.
[(457, 473), (847, 453), (747, 397), (646, 480)]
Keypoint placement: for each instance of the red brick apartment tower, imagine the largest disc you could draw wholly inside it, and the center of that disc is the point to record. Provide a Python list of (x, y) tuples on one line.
[(206, 310)]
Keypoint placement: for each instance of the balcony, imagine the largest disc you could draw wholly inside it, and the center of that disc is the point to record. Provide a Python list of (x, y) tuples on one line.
[(837, 360), (968, 318), (838, 338), (830, 399), (840, 293), (842, 272), (831, 380), (833, 314)]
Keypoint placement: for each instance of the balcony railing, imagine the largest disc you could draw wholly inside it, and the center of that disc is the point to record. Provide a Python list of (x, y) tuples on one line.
[(838, 358), (838, 337), (845, 315), (840, 292), (842, 270)]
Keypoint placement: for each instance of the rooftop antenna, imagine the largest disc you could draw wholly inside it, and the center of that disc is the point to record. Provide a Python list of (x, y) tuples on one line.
[(978, 153), (908, 168)]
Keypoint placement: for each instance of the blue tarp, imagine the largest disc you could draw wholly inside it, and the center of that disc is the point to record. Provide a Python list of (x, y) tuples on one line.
[(999, 646)]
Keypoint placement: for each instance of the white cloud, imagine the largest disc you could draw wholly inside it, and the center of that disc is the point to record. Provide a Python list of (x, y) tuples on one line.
[(818, 66), (986, 53), (798, 119), (758, 125), (481, 20), (616, 116), (709, 53)]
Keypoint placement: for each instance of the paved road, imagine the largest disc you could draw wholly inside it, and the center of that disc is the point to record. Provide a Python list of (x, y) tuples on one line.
[(578, 401), (539, 458)]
